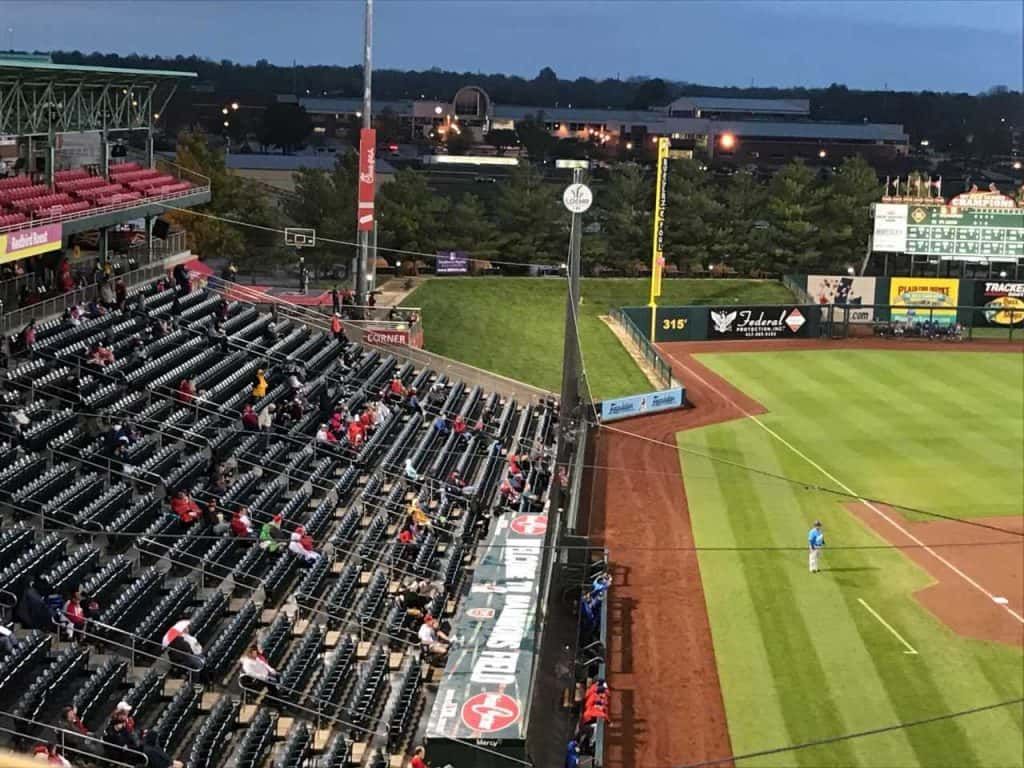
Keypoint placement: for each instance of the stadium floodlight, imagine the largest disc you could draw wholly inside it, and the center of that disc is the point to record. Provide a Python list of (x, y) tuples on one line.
[(629, 145), (227, 124), (438, 110), (224, 111), (727, 141), (822, 153), (925, 142), (234, 105), (1016, 165)]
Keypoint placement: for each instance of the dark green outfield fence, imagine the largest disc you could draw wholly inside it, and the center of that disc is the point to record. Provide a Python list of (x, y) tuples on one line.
[(838, 306)]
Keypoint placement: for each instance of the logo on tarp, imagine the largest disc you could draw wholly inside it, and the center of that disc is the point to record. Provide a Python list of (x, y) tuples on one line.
[(490, 712), (530, 525), (480, 614), (794, 320)]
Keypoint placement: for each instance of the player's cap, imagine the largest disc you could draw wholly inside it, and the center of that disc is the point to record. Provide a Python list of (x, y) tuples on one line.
[(817, 523)]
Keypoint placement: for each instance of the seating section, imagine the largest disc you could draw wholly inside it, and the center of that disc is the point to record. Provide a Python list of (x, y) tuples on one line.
[(77, 190), (85, 487)]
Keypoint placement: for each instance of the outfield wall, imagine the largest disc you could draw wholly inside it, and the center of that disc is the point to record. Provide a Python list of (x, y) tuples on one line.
[(737, 321)]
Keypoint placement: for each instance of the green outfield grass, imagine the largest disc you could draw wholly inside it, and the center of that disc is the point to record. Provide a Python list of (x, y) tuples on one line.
[(513, 326), (799, 657)]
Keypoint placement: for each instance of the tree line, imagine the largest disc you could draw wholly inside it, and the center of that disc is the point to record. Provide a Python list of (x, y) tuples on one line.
[(975, 127), (795, 220)]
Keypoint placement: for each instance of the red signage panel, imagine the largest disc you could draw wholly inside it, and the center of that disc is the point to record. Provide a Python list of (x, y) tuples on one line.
[(367, 174)]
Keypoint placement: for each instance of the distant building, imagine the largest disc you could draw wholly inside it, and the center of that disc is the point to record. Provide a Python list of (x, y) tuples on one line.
[(278, 171), (740, 131)]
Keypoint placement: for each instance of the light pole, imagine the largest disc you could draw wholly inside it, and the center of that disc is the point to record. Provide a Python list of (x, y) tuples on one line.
[(577, 198), (364, 235)]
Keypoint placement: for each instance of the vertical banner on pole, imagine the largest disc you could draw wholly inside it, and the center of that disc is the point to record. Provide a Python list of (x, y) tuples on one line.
[(658, 239), (367, 161)]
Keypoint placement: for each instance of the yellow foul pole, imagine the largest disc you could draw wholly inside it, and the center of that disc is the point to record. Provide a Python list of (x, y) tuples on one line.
[(658, 239)]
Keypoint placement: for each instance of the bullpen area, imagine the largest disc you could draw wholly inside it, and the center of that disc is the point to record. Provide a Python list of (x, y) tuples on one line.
[(912, 460)]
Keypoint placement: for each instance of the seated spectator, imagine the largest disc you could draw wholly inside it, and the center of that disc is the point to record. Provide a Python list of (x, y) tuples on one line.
[(325, 435), (596, 691), (259, 384), (381, 414), (250, 421), (120, 730), (265, 420), (441, 426), (395, 389), (241, 524), (27, 337), (108, 296), (459, 427), (255, 667), (410, 471), (58, 619), (412, 403), (186, 392), (182, 648), (406, 535), (69, 720), (419, 758), (301, 544), (355, 434), (509, 496), (213, 517), (415, 597), (156, 757), (185, 507), (101, 356), (417, 515), (271, 534), (432, 640), (74, 611)]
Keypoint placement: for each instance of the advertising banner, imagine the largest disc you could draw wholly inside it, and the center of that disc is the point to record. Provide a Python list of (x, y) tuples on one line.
[(451, 263), (22, 243), (385, 336), (1003, 302), (780, 322), (917, 299), (850, 293), (484, 695), (639, 405), (367, 178), (890, 227)]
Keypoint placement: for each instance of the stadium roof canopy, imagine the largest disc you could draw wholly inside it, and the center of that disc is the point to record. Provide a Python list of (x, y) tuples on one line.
[(38, 97)]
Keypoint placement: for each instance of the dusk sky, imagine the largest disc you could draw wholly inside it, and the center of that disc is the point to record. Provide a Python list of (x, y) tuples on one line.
[(920, 44)]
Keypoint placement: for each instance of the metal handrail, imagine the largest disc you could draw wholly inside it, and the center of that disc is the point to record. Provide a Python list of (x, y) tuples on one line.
[(646, 346), (90, 756)]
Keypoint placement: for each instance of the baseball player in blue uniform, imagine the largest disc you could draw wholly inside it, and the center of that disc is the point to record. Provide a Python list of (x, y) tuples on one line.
[(815, 543)]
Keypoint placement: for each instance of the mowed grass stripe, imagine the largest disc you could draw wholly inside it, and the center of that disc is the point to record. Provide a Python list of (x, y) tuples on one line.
[(749, 679)]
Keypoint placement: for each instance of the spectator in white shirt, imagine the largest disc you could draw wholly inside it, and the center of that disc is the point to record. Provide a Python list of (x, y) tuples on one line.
[(255, 667), (432, 639), (301, 544)]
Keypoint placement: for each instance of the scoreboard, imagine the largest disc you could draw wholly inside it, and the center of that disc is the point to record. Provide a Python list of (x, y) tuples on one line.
[(958, 233), (973, 226)]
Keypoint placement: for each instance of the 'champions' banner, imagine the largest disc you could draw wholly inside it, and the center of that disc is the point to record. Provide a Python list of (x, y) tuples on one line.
[(918, 299), (638, 405), (1002, 302), (22, 243)]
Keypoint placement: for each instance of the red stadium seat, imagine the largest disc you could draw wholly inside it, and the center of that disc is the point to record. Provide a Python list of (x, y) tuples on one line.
[(11, 182)]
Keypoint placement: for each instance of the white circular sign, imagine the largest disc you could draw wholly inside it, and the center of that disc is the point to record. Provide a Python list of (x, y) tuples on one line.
[(577, 197)]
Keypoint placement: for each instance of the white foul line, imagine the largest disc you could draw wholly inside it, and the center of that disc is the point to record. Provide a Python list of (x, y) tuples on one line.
[(910, 648), (850, 491)]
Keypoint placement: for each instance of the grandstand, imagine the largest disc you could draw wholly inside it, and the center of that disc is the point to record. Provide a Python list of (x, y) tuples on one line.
[(91, 452), (68, 176)]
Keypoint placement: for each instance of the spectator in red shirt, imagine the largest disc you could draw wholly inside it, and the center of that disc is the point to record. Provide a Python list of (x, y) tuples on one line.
[(355, 433), (395, 390), (184, 507), (459, 427), (419, 758), (513, 464), (250, 420), (241, 523), (70, 716), (186, 392), (74, 611), (598, 690)]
